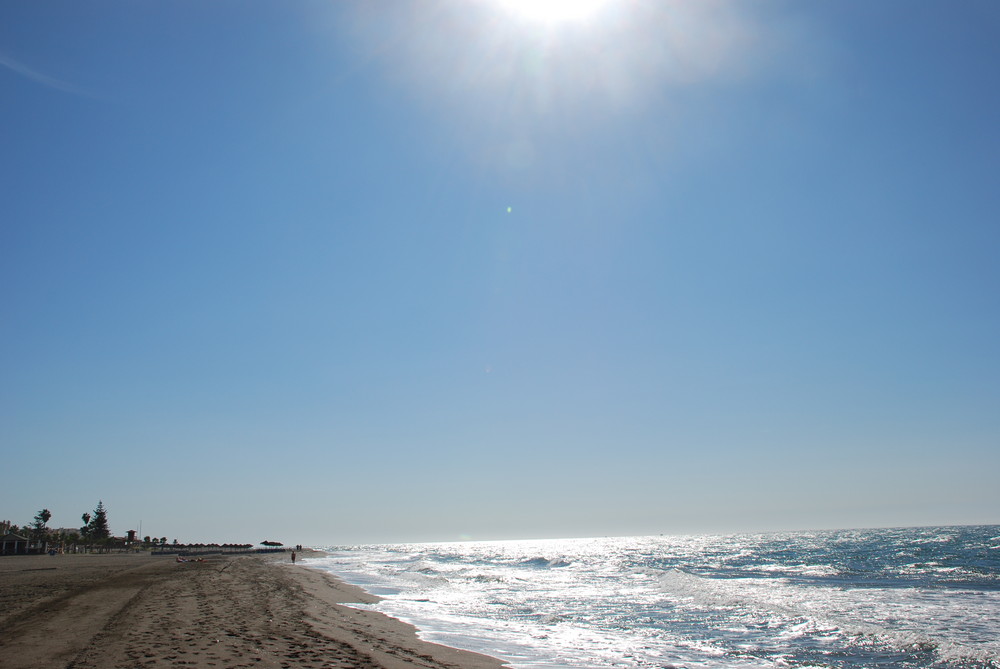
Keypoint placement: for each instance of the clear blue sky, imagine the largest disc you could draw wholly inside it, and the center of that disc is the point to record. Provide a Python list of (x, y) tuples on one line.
[(329, 272)]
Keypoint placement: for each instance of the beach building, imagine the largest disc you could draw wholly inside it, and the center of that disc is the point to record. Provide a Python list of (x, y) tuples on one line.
[(13, 544)]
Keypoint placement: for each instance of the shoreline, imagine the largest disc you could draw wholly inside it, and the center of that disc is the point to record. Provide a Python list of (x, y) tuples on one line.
[(132, 611), (330, 593)]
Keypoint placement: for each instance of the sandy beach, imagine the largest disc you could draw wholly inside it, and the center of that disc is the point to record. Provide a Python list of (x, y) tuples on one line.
[(132, 611)]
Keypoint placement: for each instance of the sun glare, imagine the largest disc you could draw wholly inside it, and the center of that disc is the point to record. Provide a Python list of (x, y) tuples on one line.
[(552, 11)]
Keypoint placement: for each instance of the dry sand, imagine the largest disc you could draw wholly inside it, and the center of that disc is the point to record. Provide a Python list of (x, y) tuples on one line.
[(138, 611)]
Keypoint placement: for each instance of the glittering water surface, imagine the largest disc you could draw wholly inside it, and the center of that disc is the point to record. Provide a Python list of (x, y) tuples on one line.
[(893, 598)]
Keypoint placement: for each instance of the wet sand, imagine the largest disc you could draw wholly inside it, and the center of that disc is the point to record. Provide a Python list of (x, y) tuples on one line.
[(137, 611)]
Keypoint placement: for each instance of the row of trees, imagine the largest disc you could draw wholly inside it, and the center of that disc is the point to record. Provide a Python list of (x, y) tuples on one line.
[(95, 529), (95, 526), (94, 532)]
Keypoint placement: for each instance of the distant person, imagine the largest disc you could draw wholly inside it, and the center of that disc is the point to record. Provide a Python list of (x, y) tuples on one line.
[(293, 557)]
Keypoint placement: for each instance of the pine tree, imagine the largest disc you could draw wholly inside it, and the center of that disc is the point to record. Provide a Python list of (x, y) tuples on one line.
[(98, 525), (38, 528)]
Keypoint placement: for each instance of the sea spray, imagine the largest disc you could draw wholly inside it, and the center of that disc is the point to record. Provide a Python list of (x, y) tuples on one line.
[(893, 598)]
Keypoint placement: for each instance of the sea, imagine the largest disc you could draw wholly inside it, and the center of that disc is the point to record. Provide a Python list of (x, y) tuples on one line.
[(873, 598)]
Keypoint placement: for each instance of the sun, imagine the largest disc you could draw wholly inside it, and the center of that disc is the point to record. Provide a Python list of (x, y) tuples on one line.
[(552, 11)]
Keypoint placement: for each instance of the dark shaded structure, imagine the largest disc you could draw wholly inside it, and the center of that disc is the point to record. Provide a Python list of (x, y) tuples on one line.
[(13, 544)]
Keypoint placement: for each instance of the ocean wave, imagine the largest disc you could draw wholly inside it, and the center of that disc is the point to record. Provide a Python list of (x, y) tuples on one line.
[(842, 600), (544, 562)]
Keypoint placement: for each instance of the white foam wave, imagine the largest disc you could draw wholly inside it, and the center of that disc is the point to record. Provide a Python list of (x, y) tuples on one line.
[(708, 602)]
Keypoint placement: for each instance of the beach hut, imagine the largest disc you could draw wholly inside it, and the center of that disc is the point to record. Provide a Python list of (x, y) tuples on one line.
[(13, 544)]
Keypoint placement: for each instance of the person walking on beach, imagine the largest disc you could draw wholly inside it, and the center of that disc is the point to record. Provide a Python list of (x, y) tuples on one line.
[(293, 557)]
